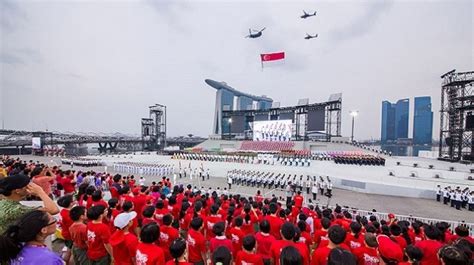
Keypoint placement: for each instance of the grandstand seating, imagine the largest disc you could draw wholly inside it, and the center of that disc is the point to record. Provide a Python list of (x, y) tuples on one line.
[(269, 146)]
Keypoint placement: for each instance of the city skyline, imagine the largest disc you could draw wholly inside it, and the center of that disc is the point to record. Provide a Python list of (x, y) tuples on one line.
[(97, 66)]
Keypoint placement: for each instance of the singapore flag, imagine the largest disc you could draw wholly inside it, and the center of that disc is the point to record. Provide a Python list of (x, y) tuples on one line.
[(270, 59)]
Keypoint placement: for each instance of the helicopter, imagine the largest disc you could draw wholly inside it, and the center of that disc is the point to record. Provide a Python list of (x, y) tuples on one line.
[(308, 37), (256, 34), (306, 15)]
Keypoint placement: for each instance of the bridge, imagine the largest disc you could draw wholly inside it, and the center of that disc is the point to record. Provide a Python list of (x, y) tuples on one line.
[(106, 142)]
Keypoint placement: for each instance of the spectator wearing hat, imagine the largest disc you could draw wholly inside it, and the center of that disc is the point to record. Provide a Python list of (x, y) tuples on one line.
[(390, 252), (124, 244), (16, 188)]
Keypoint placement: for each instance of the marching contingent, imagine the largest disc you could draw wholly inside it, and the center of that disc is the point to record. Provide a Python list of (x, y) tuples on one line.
[(144, 168), (290, 183), (456, 197), (266, 159), (81, 162)]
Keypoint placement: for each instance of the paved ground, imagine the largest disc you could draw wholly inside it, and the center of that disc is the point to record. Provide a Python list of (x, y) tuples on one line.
[(399, 205)]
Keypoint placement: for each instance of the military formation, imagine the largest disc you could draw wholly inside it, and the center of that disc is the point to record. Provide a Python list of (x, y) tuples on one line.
[(457, 198), (271, 180), (266, 159), (361, 160), (144, 168)]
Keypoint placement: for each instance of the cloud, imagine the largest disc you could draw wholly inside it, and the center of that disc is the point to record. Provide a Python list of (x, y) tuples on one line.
[(10, 15), (20, 56), (363, 24)]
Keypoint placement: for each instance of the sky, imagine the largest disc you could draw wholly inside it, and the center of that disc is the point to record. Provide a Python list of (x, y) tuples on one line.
[(96, 66)]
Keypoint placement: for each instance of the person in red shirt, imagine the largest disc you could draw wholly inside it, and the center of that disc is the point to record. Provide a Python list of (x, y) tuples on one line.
[(430, 246), (396, 232), (128, 207), (124, 244), (341, 256), (274, 220), (301, 246), (148, 253), (413, 254), (98, 235), (354, 239), (287, 234), (336, 235), (367, 254), (247, 255), (139, 201), (196, 242), (78, 232), (264, 241), (167, 235), (211, 220), (290, 255), (388, 250), (97, 199), (219, 239), (160, 211), (305, 237), (236, 235), (178, 253), (321, 236), (66, 222), (298, 199), (148, 213), (68, 181), (258, 198), (250, 217)]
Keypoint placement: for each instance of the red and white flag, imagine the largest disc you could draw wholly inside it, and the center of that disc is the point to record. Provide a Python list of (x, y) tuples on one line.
[(269, 59)]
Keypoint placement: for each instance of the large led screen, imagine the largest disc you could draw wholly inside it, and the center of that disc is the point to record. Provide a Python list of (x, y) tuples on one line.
[(278, 130)]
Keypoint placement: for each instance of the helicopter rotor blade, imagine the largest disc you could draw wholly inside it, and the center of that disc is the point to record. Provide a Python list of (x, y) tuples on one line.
[(262, 30)]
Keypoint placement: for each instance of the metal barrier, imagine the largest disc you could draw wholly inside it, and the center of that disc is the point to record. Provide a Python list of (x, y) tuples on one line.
[(410, 218)]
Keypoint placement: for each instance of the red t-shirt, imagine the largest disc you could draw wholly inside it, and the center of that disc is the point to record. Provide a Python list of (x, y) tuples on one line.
[(236, 235), (264, 244), (276, 248), (68, 186), (66, 222), (321, 238), (196, 245), (216, 242), (298, 201), (167, 235), (275, 225), (430, 251), (306, 238), (401, 241), (209, 224), (366, 256), (98, 234), (304, 251), (124, 247), (78, 232), (320, 255), (139, 202), (353, 242), (159, 213), (146, 221), (246, 258), (149, 254)]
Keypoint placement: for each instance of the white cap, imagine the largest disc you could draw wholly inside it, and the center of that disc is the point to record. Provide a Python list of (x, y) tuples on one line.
[(123, 219)]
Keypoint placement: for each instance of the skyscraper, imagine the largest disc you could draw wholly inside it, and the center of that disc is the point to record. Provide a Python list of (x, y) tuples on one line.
[(423, 121), (394, 120)]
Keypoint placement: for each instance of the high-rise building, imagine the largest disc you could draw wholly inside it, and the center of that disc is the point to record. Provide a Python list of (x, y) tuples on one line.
[(423, 121), (394, 120), (225, 96)]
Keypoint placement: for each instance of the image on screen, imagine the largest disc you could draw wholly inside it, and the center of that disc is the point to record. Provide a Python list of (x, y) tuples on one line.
[(278, 130)]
